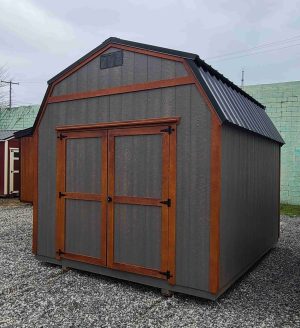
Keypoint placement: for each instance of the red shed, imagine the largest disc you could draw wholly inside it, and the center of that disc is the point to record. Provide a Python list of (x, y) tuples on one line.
[(9, 164)]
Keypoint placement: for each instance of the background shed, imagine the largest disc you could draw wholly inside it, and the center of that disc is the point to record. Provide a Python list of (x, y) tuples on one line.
[(151, 166), (9, 164)]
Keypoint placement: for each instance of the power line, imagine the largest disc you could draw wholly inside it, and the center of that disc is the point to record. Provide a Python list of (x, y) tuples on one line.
[(263, 45), (10, 89), (257, 53)]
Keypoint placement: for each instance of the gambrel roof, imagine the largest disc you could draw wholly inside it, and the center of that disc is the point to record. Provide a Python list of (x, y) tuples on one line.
[(232, 105)]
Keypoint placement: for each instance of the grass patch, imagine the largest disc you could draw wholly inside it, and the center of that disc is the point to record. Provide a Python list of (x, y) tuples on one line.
[(290, 210)]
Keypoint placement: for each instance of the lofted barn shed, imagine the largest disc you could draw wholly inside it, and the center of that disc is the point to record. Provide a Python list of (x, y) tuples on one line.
[(153, 167)]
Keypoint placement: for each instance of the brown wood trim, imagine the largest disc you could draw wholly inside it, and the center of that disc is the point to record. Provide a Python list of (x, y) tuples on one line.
[(81, 134), (165, 196), (110, 206), (83, 258), (60, 202), (215, 205), (121, 124), (83, 196), (137, 269), (104, 162), (123, 89), (172, 209), (35, 195), (137, 200)]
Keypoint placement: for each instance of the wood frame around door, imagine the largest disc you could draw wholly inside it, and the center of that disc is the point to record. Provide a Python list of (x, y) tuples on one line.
[(117, 199), (167, 127), (62, 195)]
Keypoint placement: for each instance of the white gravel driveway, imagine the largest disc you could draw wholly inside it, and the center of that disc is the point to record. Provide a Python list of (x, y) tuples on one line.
[(33, 294)]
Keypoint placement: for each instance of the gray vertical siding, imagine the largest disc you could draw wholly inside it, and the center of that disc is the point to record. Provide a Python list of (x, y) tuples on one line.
[(250, 200), (83, 155), (83, 227), (193, 166), (137, 238), (136, 68), (138, 166)]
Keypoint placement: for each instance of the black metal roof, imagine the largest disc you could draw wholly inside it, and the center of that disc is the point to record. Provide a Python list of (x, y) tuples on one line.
[(233, 105), (23, 133)]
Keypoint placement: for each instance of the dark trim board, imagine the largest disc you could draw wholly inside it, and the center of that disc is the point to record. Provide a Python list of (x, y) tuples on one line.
[(153, 282), (128, 276)]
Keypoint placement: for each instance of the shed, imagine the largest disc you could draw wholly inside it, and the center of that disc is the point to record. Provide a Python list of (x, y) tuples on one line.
[(9, 164), (152, 167), (26, 164)]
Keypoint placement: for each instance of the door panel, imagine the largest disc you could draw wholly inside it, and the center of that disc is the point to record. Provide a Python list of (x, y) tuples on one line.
[(138, 183), (138, 160), (14, 171), (82, 196), (83, 165), (83, 227), (137, 235)]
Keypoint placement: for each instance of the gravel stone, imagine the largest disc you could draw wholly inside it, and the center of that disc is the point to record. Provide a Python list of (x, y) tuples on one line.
[(34, 294)]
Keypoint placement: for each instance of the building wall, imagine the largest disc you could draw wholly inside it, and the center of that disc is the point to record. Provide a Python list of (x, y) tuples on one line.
[(193, 167), (136, 68), (249, 219), (282, 101), (27, 169)]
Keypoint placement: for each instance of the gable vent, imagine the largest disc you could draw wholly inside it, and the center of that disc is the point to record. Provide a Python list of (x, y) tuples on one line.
[(111, 60)]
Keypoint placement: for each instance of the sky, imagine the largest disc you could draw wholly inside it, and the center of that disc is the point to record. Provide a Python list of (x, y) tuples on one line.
[(39, 38)]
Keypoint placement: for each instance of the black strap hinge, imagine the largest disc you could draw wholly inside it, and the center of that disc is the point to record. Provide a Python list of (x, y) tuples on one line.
[(166, 273), (61, 194), (166, 202), (61, 136), (169, 130), (59, 252)]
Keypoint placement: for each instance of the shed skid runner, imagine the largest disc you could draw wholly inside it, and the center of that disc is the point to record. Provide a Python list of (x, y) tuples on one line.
[(159, 171)]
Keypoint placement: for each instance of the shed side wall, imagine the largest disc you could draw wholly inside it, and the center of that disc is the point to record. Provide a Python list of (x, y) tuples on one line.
[(249, 218), (27, 167), (193, 167)]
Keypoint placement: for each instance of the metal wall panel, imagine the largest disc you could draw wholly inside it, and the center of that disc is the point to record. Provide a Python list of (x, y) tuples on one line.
[(250, 200), (193, 167), (137, 235), (83, 227), (83, 165), (136, 68)]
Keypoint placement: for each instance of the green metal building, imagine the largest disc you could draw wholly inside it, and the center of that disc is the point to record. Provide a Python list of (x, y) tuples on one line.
[(282, 101)]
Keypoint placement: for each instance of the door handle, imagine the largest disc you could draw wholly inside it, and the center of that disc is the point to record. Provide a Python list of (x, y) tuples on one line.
[(109, 199)]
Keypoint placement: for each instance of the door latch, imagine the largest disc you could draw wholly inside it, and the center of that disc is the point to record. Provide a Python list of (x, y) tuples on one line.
[(166, 273), (109, 199)]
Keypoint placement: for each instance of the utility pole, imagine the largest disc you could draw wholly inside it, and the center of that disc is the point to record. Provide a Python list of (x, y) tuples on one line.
[(10, 89), (242, 82)]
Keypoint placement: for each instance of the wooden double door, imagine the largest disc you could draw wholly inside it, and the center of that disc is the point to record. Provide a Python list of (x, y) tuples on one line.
[(116, 198)]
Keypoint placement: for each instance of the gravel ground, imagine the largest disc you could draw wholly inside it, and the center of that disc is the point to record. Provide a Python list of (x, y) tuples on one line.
[(33, 294)]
